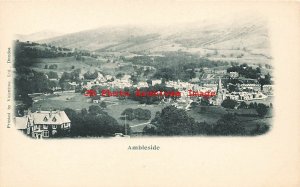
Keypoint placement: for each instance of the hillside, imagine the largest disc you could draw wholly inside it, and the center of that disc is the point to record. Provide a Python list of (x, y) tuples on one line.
[(234, 41), (37, 36)]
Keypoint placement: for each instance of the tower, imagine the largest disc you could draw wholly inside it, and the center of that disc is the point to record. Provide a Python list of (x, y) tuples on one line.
[(220, 94)]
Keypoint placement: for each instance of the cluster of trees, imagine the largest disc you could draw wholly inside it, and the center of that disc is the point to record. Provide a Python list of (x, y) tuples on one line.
[(138, 113), (72, 76), (28, 81), (172, 121), (177, 57), (65, 77), (175, 65), (28, 53), (34, 50), (52, 66), (120, 75), (229, 103), (93, 122), (246, 71), (266, 80), (260, 108), (166, 73), (52, 75), (89, 75)]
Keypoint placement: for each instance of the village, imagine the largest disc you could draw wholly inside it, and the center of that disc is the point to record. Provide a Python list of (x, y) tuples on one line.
[(117, 87)]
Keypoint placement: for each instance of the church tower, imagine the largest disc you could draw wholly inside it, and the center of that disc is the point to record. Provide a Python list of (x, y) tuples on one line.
[(220, 94)]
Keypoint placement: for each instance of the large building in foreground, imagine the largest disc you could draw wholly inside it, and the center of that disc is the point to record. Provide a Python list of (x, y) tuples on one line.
[(44, 124)]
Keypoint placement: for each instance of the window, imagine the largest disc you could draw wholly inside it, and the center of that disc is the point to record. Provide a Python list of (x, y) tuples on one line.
[(45, 119), (54, 119), (54, 126), (45, 126), (46, 133)]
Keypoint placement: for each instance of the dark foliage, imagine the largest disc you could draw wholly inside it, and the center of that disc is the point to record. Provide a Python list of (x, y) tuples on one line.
[(261, 109), (229, 103), (90, 124)]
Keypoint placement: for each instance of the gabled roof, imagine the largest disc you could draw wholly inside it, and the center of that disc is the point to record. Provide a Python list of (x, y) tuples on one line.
[(50, 118)]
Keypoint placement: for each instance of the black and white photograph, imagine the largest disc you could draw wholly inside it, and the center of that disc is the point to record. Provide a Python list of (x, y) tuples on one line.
[(208, 77), (149, 93)]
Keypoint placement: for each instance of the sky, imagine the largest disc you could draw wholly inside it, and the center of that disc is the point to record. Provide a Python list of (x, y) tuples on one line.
[(26, 17)]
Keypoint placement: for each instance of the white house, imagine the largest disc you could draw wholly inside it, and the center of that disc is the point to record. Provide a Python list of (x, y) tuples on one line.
[(233, 74), (45, 124)]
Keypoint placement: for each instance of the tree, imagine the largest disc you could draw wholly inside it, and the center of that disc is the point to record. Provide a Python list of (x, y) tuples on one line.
[(149, 82), (84, 125), (129, 114), (243, 105), (229, 103), (204, 102), (94, 110), (253, 105), (261, 109), (173, 121), (84, 112), (53, 66), (228, 125), (89, 75), (103, 104), (260, 129), (46, 66), (52, 75), (149, 130), (142, 114), (232, 87), (146, 72), (134, 79), (120, 75)]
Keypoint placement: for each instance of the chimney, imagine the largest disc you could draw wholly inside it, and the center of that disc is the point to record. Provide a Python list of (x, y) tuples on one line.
[(50, 114), (39, 109)]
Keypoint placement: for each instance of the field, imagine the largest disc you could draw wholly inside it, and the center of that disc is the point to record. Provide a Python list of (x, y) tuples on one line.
[(246, 117), (64, 64), (77, 101)]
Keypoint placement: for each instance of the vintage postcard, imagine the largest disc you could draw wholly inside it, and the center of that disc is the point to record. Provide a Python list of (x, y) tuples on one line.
[(149, 93)]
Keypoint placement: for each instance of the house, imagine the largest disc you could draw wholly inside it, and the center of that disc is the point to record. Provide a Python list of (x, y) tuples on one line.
[(234, 74), (142, 84), (126, 78), (100, 78), (72, 85), (253, 87), (45, 124), (156, 81), (221, 71), (195, 80), (268, 89), (109, 78)]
